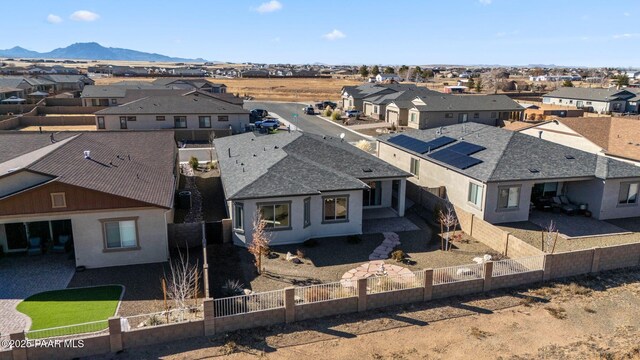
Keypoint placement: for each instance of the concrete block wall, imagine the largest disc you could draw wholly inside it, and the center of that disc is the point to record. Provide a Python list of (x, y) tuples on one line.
[(569, 263), (162, 333), (619, 256), (459, 288), (83, 120), (490, 235), (250, 320), (326, 308), (95, 345), (397, 297), (517, 248), (505, 281)]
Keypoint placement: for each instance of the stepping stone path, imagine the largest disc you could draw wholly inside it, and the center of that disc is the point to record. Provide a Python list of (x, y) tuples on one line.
[(375, 268), (195, 212), (391, 240)]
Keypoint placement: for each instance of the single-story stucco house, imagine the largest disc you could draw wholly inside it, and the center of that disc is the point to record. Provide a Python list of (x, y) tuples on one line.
[(496, 174), (105, 196), (304, 186)]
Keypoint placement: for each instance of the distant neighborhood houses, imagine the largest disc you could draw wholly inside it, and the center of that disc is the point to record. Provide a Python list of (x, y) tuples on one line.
[(613, 99)]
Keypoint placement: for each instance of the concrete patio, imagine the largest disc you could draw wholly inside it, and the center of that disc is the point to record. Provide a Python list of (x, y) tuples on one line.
[(576, 226), (23, 276)]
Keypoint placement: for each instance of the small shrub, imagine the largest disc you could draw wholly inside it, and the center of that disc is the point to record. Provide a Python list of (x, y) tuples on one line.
[(336, 115), (577, 289), (327, 111), (478, 334), (353, 239), (558, 313), (310, 243), (230, 347), (300, 254), (364, 145), (398, 255), (213, 165), (317, 294), (154, 320), (232, 288), (193, 162), (590, 310)]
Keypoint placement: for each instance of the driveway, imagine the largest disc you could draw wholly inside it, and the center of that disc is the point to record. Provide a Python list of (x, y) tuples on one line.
[(307, 123), (21, 277)]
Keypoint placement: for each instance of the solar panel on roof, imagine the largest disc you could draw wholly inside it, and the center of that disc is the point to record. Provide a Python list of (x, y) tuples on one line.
[(466, 148), (420, 146), (440, 142), (455, 159)]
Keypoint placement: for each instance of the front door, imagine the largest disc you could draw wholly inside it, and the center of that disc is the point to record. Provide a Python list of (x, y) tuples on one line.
[(123, 123), (462, 118)]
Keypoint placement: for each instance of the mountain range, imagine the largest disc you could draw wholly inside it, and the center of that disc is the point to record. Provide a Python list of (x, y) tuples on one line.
[(92, 51)]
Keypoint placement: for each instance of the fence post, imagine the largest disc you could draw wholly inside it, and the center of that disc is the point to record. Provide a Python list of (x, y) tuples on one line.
[(289, 304), (18, 353), (208, 308), (488, 273), (115, 334), (595, 263), (428, 285), (548, 267), (362, 295)]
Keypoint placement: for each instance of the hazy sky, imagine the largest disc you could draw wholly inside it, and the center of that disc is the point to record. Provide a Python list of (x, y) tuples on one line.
[(518, 32)]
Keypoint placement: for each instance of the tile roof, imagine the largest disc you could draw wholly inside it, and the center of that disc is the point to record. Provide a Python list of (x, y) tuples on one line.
[(174, 104), (510, 155), (138, 165), (287, 164), (594, 94)]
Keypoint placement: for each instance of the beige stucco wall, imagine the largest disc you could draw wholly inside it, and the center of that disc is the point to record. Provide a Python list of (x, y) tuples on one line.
[(89, 240), (298, 233), (146, 122), (610, 209), (433, 119), (598, 106)]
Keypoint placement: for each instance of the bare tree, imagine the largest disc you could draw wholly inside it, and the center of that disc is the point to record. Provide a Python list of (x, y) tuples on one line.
[(549, 237), (260, 241), (448, 222), (182, 282), (212, 136)]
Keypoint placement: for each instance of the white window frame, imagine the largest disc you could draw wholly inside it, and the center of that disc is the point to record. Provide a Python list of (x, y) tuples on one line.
[(517, 189), (122, 247), (625, 188), (478, 191), (414, 167), (238, 220)]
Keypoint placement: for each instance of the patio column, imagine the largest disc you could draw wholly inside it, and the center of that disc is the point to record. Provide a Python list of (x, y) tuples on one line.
[(402, 196), (115, 334)]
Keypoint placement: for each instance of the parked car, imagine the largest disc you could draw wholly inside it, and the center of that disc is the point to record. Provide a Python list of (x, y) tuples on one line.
[(353, 113), (326, 103), (309, 110), (268, 123)]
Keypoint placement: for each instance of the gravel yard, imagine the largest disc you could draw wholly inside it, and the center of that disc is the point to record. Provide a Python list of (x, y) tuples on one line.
[(331, 257), (530, 232)]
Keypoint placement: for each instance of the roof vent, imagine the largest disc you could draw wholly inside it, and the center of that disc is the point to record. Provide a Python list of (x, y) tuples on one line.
[(569, 157), (534, 171), (87, 154), (367, 170), (276, 147)]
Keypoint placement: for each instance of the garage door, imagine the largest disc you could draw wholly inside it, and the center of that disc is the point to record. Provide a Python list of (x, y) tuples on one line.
[(368, 109), (392, 117)]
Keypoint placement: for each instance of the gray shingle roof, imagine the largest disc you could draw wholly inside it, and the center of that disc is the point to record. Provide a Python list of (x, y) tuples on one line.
[(404, 95), (368, 89), (445, 102), (287, 164), (174, 104), (107, 91), (590, 93), (509, 156)]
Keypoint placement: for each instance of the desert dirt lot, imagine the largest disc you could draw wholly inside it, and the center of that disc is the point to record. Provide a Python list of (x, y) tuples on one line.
[(589, 317)]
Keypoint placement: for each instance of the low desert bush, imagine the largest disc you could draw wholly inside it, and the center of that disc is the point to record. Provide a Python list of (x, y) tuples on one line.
[(398, 255), (300, 254)]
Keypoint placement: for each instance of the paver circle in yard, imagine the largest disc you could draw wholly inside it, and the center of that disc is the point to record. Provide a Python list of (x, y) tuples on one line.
[(374, 268)]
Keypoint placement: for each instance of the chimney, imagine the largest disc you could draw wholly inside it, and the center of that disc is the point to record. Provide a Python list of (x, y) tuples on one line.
[(87, 154)]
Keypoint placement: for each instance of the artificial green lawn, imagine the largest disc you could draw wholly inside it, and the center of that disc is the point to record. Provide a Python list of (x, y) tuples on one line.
[(71, 306)]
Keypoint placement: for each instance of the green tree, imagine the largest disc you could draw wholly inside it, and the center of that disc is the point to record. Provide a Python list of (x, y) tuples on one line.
[(471, 84), (389, 70), (567, 83), (364, 71), (621, 80), (427, 73), (479, 85), (375, 70), (403, 71), (418, 70)]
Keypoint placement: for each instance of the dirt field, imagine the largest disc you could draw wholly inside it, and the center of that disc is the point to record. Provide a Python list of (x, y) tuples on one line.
[(590, 317)]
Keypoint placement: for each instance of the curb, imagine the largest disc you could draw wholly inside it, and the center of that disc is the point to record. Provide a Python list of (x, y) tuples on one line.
[(368, 137)]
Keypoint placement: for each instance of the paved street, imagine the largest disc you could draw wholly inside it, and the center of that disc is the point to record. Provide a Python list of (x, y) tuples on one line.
[(306, 123)]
